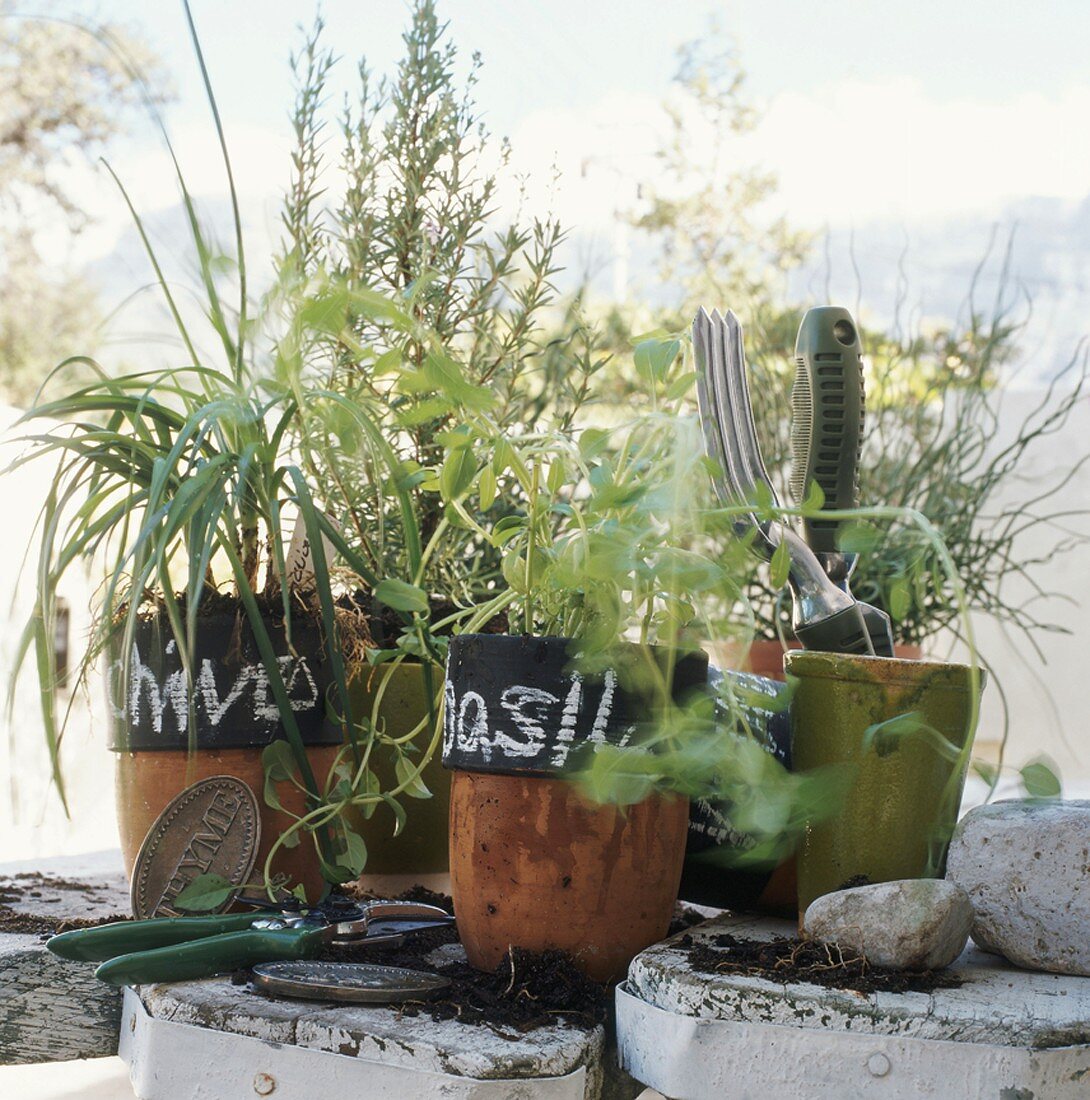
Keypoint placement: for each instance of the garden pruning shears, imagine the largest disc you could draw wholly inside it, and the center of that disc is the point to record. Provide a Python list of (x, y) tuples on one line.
[(178, 949)]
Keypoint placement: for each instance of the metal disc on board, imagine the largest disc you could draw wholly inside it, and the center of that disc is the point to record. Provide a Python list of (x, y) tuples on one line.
[(360, 983), (212, 827)]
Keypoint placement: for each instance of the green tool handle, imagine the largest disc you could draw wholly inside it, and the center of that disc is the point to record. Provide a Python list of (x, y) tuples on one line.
[(827, 418), (109, 940), (214, 955)]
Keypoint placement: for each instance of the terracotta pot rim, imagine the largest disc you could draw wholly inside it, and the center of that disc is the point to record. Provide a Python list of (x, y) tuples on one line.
[(560, 639), (878, 670)]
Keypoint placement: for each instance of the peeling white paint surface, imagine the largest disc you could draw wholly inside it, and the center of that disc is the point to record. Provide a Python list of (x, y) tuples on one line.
[(996, 1004), (1005, 1033), (170, 1059), (386, 1053)]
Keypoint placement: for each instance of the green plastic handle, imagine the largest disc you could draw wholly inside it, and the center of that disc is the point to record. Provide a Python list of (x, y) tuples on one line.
[(827, 417), (214, 955), (110, 940)]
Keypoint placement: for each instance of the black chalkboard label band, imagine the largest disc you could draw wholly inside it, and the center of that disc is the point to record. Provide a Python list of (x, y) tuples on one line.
[(521, 706)]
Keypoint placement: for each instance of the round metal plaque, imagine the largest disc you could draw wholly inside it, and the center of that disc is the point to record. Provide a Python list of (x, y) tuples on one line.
[(212, 827), (360, 983)]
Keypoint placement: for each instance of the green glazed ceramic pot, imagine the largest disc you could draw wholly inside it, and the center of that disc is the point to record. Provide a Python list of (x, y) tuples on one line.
[(904, 779), (421, 846)]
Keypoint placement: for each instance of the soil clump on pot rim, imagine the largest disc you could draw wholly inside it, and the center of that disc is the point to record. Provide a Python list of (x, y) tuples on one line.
[(786, 961)]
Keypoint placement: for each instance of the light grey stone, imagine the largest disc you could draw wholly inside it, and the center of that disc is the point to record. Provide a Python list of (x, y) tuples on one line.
[(912, 924), (1026, 869)]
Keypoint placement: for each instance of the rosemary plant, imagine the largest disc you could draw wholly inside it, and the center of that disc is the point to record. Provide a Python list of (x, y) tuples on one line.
[(411, 214)]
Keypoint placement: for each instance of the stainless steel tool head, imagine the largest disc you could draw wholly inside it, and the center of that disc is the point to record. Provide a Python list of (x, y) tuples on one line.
[(823, 616), (726, 419), (377, 922)]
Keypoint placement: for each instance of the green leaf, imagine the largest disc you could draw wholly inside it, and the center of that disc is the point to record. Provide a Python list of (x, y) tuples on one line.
[(400, 816), (780, 565), (859, 537), (387, 363), (1040, 781), (278, 761), (592, 442), (486, 488), (988, 772), (900, 598), (205, 893), (557, 475), (507, 528), (335, 873), (414, 788), (815, 498), (681, 385), (355, 855), (654, 357), (401, 596), (456, 476)]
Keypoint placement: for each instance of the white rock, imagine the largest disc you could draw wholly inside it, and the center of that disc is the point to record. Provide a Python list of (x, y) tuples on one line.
[(1026, 869), (912, 924)]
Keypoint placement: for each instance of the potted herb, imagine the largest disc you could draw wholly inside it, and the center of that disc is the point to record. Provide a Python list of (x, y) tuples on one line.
[(461, 333), (217, 610), (576, 742)]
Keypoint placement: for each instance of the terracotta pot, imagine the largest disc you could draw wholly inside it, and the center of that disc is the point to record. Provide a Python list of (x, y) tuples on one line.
[(147, 781), (419, 854), (533, 864), (901, 806), (235, 719), (765, 656)]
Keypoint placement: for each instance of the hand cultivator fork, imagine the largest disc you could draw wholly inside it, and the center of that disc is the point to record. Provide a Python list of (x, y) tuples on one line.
[(824, 615)]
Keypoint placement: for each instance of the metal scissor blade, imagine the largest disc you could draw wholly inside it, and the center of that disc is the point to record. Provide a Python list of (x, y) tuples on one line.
[(389, 921)]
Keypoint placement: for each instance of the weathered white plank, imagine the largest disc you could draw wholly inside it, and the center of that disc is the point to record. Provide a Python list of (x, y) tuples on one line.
[(1004, 1032), (419, 1052), (51, 1009), (997, 1004)]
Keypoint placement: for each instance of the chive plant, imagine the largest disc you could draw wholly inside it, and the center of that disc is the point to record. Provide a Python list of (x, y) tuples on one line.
[(188, 480)]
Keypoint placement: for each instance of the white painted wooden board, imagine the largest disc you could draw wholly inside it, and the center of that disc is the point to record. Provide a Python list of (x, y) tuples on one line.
[(1005, 1032), (212, 1038), (51, 1009)]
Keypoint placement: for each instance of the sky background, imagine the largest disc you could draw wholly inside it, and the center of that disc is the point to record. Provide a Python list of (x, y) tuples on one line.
[(907, 134)]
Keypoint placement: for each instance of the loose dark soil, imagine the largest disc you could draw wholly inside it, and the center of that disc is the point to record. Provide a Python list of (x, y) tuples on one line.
[(785, 960), (32, 925), (527, 990), (684, 918), (27, 888)]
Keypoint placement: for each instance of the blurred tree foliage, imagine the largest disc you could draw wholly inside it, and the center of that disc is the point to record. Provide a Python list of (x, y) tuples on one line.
[(933, 403), (65, 91)]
